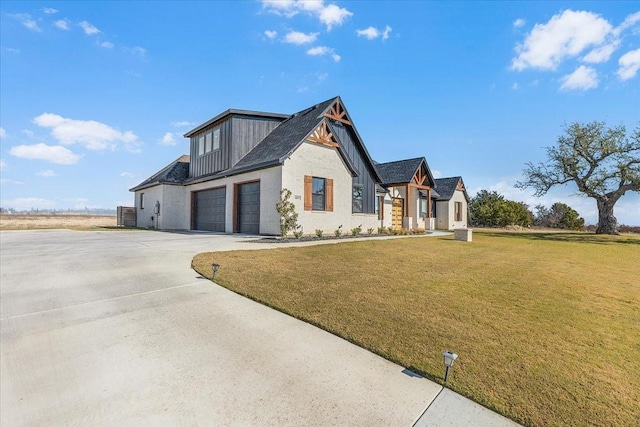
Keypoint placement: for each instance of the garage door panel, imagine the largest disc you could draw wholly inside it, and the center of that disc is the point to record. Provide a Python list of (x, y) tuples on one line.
[(249, 208), (209, 209)]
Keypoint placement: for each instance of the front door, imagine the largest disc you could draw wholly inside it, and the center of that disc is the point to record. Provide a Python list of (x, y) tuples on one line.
[(397, 212)]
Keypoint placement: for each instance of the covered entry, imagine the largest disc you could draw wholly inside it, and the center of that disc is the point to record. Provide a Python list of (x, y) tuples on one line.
[(209, 209), (248, 207)]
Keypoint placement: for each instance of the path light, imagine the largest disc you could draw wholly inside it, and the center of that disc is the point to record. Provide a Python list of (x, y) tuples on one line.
[(214, 267), (449, 358)]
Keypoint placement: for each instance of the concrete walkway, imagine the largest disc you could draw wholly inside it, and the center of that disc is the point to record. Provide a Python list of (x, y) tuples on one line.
[(114, 328)]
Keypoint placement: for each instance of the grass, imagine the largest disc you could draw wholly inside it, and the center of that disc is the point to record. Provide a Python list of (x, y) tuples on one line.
[(547, 325)]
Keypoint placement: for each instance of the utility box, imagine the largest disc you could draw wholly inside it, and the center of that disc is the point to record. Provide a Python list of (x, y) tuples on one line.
[(463, 234)]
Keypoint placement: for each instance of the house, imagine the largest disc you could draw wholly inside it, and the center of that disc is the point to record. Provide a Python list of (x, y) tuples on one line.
[(240, 160), (408, 199), (451, 207)]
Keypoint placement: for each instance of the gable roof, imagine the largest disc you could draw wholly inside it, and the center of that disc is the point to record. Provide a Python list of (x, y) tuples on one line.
[(446, 187), (175, 173), (402, 171)]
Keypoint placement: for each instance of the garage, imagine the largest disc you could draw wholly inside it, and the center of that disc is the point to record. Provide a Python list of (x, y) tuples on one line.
[(248, 199), (209, 209)]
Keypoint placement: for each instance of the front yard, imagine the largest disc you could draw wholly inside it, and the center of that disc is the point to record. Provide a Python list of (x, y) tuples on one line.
[(546, 326)]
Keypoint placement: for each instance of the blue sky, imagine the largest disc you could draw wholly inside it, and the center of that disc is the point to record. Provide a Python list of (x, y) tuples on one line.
[(95, 96)]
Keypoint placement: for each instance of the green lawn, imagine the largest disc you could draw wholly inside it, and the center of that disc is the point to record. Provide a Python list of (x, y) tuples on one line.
[(546, 325)]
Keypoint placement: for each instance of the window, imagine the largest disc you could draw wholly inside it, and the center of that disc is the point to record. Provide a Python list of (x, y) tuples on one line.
[(423, 207), (356, 205), (318, 194), (457, 211), (201, 145), (207, 142), (216, 139), (141, 200)]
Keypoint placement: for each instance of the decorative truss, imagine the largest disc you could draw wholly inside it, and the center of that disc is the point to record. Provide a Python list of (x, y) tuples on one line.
[(337, 112), (420, 177), (322, 135)]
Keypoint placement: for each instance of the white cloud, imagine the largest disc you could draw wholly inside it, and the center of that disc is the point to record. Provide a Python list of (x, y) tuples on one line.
[(3, 165), (373, 33), (26, 203), (333, 15), (519, 23), (50, 10), (436, 173), (88, 28), (296, 37), (26, 20), (565, 35), (89, 133), (62, 24), (515, 86), (601, 53), (271, 34), (28, 132), (168, 139), (629, 65), (3, 133), (10, 181), (46, 173), (182, 123), (107, 45), (12, 50), (137, 50), (323, 50), (583, 78), (628, 22), (330, 15), (50, 153), (127, 174)]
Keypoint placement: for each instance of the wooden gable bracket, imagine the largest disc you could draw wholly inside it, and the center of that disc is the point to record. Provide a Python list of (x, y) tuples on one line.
[(420, 177), (322, 135), (460, 186), (337, 112)]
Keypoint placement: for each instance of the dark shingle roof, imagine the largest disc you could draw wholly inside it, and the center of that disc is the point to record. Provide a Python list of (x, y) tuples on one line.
[(233, 111), (175, 173), (446, 187), (400, 171)]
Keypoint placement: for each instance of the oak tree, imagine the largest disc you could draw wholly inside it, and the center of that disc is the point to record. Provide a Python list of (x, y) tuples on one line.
[(603, 162)]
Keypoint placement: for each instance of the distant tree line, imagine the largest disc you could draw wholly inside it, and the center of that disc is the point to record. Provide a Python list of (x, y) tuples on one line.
[(491, 209), (35, 211)]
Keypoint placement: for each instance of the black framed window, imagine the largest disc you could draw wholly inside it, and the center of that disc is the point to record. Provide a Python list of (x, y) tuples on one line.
[(318, 194), (357, 198)]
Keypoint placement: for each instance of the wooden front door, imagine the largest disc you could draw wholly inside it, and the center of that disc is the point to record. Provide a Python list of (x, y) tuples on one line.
[(397, 212)]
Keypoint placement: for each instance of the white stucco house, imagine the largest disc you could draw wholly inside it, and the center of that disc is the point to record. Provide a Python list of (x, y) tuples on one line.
[(240, 160), (452, 204)]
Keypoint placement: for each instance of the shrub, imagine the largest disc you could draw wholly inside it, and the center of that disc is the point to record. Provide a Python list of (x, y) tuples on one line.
[(338, 231), (369, 231), (288, 214), (298, 232), (357, 230), (319, 234)]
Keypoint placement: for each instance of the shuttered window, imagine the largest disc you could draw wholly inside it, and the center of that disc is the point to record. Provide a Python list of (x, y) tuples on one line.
[(318, 194)]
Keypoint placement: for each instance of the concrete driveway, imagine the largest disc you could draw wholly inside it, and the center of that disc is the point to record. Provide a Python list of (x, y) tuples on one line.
[(114, 328)]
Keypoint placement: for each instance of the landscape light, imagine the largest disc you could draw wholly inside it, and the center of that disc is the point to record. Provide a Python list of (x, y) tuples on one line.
[(449, 358), (215, 267)]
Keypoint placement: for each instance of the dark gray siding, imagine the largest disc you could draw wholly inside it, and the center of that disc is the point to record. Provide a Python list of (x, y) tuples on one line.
[(358, 159), (214, 161), (248, 132), (238, 135)]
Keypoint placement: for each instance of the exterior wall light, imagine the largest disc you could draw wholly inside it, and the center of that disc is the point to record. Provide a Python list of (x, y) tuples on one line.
[(449, 358), (215, 268)]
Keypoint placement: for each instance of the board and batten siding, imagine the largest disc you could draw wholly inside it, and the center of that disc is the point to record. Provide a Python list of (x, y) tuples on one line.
[(357, 157), (238, 135), (213, 161), (248, 132)]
